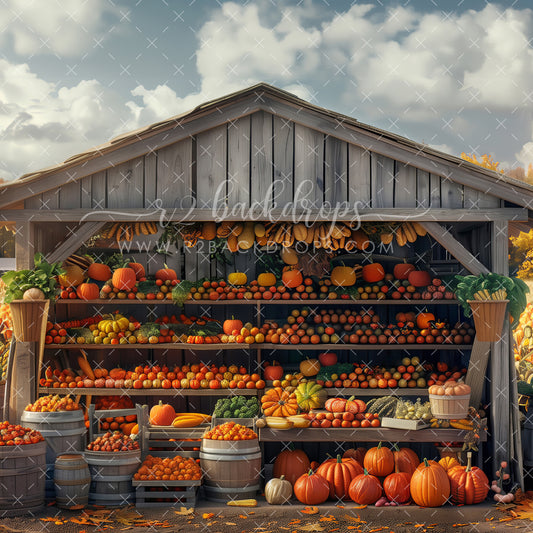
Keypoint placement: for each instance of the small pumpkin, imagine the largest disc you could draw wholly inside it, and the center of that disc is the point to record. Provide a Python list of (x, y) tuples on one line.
[(424, 320), (209, 231), (166, 274), (402, 270), (419, 278), (273, 371), (162, 414), (379, 461), (139, 270), (358, 454), (311, 488), (449, 462), (342, 405), (365, 489), (343, 276), (99, 272), (327, 358), (289, 256), (266, 279), (72, 277), (291, 464), (430, 486), (339, 473), (405, 459), (124, 279), (278, 491), (397, 486), (231, 325), (117, 373), (373, 272), (33, 294), (128, 428), (291, 278), (469, 484), (237, 278), (88, 291), (309, 367)]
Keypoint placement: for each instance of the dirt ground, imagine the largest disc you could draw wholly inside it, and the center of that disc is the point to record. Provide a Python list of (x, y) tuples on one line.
[(265, 518)]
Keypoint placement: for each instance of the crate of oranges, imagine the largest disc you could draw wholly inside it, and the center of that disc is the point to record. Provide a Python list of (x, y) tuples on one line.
[(167, 481)]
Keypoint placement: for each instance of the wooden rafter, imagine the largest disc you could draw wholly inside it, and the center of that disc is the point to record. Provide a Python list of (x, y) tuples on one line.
[(73, 242)]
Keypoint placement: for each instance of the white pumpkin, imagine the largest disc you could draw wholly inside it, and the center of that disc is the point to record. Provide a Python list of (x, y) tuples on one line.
[(33, 294), (278, 491)]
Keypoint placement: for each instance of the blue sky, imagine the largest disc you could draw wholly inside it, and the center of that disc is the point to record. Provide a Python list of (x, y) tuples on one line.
[(74, 73)]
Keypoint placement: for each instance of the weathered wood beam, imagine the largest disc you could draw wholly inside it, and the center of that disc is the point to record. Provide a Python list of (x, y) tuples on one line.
[(24, 244), (410, 155), (74, 241), (477, 370), (260, 212), (448, 241), (135, 147)]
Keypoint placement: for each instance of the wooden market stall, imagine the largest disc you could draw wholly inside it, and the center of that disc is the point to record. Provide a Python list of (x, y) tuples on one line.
[(264, 154)]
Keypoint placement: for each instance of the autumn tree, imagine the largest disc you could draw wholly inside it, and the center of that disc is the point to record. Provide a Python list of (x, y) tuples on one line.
[(486, 161)]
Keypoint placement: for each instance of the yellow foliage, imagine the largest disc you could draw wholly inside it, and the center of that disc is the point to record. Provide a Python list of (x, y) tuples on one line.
[(521, 254), (485, 162)]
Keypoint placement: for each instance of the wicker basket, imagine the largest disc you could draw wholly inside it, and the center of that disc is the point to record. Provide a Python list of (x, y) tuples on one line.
[(449, 407), (488, 318), (28, 317)]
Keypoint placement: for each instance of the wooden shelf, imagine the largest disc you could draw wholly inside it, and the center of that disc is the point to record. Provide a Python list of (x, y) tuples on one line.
[(264, 345), (149, 392), (349, 391), (126, 301), (363, 435)]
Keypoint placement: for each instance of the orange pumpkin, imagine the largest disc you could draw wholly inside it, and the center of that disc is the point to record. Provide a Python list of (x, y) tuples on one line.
[(311, 488), (139, 270), (273, 371), (230, 325), (72, 277), (356, 453), (166, 274), (469, 485), (424, 320), (343, 276), (291, 464), (419, 278), (402, 270), (397, 486), (128, 428), (291, 278), (373, 273), (365, 489), (379, 461), (449, 462), (339, 473), (266, 279), (124, 279), (99, 272), (430, 486), (88, 291), (162, 414), (135, 430), (405, 459), (117, 373)]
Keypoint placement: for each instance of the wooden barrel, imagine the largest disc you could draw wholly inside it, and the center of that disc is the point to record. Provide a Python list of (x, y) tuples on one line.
[(63, 431), (231, 469), (72, 481), (111, 476), (22, 475)]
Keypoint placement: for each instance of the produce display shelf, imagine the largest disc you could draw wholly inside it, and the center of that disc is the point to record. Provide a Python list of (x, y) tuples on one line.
[(358, 392), (265, 345), (343, 301), (149, 392), (364, 435)]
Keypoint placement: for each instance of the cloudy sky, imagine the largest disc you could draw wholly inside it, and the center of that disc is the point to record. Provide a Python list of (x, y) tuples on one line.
[(454, 74)]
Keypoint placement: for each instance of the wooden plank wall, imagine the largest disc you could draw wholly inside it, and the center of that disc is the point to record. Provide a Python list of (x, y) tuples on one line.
[(258, 158)]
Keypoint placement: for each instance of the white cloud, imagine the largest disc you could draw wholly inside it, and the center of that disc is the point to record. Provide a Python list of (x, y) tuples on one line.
[(64, 27)]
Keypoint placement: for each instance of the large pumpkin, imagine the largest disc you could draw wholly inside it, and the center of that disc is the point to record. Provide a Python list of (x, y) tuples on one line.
[(72, 277), (309, 367), (365, 489), (339, 473), (311, 488), (99, 272), (397, 487), (430, 486), (402, 270), (291, 464), (124, 279), (424, 320), (356, 453), (379, 461), (327, 358), (343, 276), (162, 414), (231, 325), (291, 278), (273, 371), (373, 272), (266, 279), (88, 291), (237, 278), (419, 278), (166, 274), (279, 402), (139, 270), (469, 485), (405, 459)]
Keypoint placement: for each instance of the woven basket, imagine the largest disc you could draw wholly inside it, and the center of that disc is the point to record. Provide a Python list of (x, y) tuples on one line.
[(28, 317), (449, 407), (488, 318)]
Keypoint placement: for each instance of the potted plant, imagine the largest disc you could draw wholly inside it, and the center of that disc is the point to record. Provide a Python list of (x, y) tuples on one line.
[(486, 297), (28, 293)]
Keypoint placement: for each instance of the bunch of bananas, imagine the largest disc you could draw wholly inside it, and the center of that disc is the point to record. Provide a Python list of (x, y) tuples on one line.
[(404, 233), (125, 231)]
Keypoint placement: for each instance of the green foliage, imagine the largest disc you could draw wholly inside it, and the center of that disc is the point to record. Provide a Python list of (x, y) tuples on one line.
[(468, 286), (237, 407), (149, 329), (43, 276), (181, 291)]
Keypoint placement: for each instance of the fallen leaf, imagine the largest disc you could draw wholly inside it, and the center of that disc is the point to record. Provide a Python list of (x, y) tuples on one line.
[(207, 516), (244, 517), (363, 507), (354, 519), (6, 528), (310, 510), (233, 524), (328, 518), (185, 511), (315, 526)]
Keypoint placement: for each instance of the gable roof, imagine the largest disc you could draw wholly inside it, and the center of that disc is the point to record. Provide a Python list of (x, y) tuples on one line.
[(515, 191)]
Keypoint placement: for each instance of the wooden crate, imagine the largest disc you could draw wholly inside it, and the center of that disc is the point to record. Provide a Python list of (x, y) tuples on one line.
[(400, 423), (162, 441), (174, 493)]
